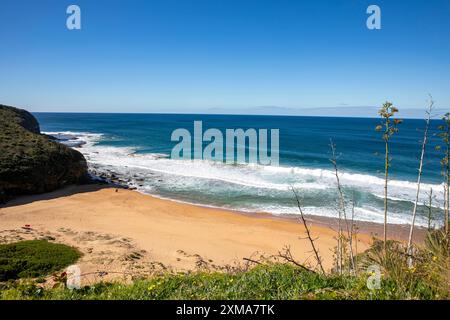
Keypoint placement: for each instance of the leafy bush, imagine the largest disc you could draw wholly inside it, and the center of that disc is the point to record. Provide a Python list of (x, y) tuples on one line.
[(426, 278), (34, 258)]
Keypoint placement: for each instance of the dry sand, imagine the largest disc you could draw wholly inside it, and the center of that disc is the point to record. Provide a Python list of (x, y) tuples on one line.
[(123, 232)]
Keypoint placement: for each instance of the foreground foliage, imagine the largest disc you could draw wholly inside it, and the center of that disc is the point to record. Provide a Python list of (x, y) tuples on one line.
[(272, 281), (34, 258), (428, 279)]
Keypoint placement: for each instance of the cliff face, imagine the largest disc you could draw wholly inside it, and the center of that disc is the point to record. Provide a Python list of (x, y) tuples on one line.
[(30, 162)]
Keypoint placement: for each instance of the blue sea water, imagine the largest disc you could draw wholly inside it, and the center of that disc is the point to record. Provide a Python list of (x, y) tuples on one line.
[(138, 146)]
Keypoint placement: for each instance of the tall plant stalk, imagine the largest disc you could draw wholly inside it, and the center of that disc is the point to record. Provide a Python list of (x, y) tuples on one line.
[(419, 177), (444, 134), (308, 232), (354, 233), (388, 127), (430, 208), (342, 211)]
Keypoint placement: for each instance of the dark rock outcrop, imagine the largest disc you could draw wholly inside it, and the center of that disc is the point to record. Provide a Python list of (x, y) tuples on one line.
[(22, 117), (29, 161)]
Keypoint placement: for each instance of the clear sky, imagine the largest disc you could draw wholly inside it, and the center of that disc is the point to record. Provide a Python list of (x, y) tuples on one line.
[(197, 55)]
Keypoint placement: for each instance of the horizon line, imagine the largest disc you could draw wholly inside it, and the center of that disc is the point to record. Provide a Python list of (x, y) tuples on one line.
[(229, 114)]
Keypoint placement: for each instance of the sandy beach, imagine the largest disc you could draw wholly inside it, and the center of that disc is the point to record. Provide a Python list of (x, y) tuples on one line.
[(123, 233)]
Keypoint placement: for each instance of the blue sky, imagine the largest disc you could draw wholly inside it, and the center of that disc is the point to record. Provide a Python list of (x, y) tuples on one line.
[(202, 55)]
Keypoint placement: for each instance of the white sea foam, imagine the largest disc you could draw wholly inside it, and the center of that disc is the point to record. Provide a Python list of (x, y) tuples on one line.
[(215, 178), (360, 214)]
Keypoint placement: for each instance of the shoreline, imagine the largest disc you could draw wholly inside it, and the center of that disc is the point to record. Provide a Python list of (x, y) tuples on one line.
[(129, 175), (376, 228), (400, 233), (123, 233)]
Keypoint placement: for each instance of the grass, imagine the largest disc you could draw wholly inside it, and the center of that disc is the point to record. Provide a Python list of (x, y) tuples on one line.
[(269, 281), (427, 280), (34, 258)]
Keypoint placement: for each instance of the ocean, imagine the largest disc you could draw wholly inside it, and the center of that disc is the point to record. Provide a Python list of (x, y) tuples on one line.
[(138, 147)]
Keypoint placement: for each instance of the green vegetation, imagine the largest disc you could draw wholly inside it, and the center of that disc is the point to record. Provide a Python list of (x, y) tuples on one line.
[(427, 280), (271, 281), (30, 162), (34, 258), (388, 129), (444, 134), (268, 281)]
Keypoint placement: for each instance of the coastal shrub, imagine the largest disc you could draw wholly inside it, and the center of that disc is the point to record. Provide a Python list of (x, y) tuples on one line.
[(436, 260), (267, 281), (427, 280), (34, 258), (271, 281), (31, 162)]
